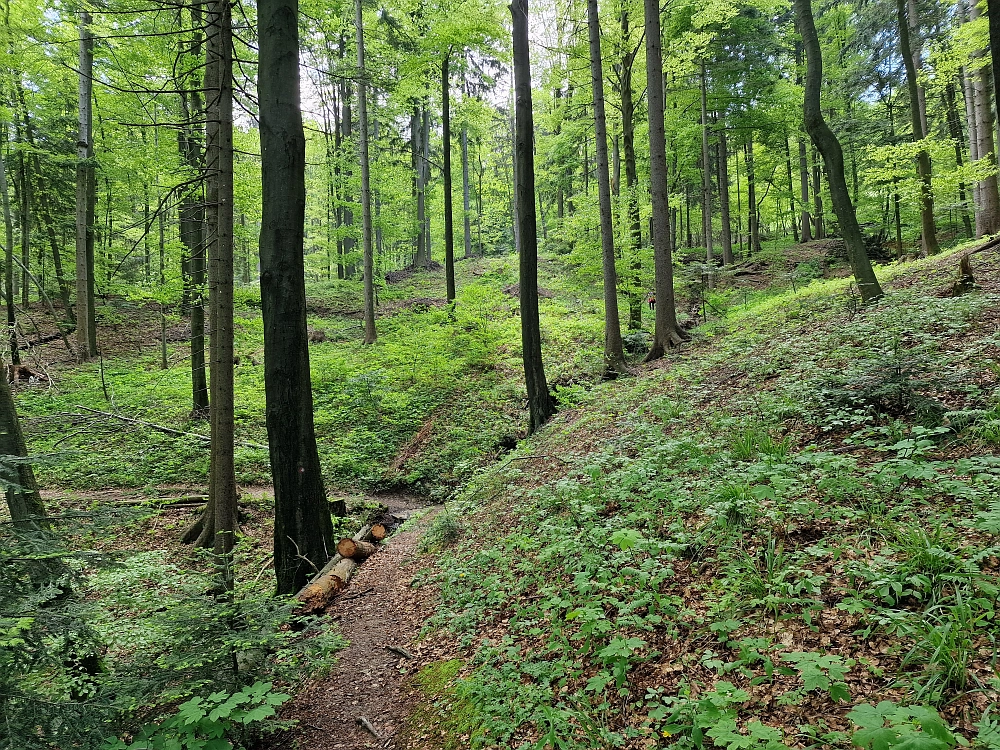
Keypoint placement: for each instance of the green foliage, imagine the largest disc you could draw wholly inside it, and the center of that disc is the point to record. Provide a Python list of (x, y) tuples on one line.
[(214, 722), (822, 672), (889, 725)]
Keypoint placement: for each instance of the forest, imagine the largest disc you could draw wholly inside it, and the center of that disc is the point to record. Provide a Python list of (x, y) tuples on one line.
[(424, 375)]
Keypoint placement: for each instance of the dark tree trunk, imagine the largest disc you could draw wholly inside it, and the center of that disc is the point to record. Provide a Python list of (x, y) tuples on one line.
[(614, 357), (724, 203), (791, 190), (449, 219), (86, 198), (667, 333), (540, 404), (8, 222), (819, 225), (928, 232), (829, 147), (706, 182), (303, 530), (753, 218), (631, 179), (366, 188), (23, 500), (466, 192)]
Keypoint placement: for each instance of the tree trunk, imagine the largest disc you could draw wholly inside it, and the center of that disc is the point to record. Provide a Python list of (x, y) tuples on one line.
[(753, 218), (23, 500), (303, 530), (25, 221), (819, 225), (449, 219), (426, 130), (833, 156), (219, 528), (956, 135), (631, 181), (540, 404), (993, 12), (791, 190), (988, 215), (366, 188), (724, 207), (8, 222), (86, 329), (614, 356), (466, 190), (805, 222), (928, 231), (666, 333), (706, 181)]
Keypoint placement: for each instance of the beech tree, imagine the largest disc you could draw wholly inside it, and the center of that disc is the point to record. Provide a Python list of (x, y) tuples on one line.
[(303, 529)]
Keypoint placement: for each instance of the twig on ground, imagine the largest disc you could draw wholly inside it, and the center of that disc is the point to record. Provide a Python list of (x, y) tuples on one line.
[(401, 651), (363, 722)]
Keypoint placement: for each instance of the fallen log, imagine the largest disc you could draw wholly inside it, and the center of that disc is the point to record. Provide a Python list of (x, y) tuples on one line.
[(355, 550), (332, 579), (379, 532)]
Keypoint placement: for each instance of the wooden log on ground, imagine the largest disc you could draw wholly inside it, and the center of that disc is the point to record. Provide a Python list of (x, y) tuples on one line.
[(379, 532), (331, 580), (355, 550)]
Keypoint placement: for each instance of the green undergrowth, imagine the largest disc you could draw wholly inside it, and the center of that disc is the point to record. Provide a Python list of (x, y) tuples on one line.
[(439, 395), (733, 550)]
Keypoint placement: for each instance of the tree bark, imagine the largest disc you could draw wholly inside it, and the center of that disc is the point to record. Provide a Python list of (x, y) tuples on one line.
[(819, 224), (8, 222), (724, 202), (466, 192), (23, 500), (631, 178), (366, 187), (540, 404), (706, 181), (86, 329), (666, 333), (928, 233), (614, 356), (449, 219), (956, 135), (753, 217), (303, 530), (805, 222), (791, 190), (988, 215), (833, 156)]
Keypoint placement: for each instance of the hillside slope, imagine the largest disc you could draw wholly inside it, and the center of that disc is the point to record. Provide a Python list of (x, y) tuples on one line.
[(793, 516)]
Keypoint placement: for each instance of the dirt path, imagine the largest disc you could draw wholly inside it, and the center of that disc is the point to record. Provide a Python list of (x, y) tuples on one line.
[(377, 610)]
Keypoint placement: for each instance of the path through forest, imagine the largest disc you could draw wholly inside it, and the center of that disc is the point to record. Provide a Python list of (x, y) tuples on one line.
[(378, 610)]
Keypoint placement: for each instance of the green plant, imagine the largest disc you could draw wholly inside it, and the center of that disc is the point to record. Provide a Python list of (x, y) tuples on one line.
[(825, 672), (889, 725), (214, 722), (444, 530)]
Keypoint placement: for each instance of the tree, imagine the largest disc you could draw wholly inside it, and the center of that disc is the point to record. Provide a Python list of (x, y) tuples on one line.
[(86, 329), (366, 189), (833, 156), (540, 404), (449, 218), (303, 529), (614, 357), (666, 333)]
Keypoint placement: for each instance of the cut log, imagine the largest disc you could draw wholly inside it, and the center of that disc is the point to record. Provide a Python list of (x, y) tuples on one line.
[(355, 550), (379, 532), (331, 580)]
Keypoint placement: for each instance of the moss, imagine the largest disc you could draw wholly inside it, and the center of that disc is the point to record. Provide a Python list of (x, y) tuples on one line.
[(443, 719)]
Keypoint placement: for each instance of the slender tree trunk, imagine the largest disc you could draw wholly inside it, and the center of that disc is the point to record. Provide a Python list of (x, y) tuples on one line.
[(667, 332), (426, 131), (8, 222), (366, 188), (791, 190), (219, 525), (303, 529), (466, 197), (25, 221), (540, 404), (86, 329), (631, 181), (993, 11), (819, 224), (928, 233), (829, 146), (706, 182), (724, 203), (449, 219), (956, 135), (805, 222), (614, 357), (753, 218)]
